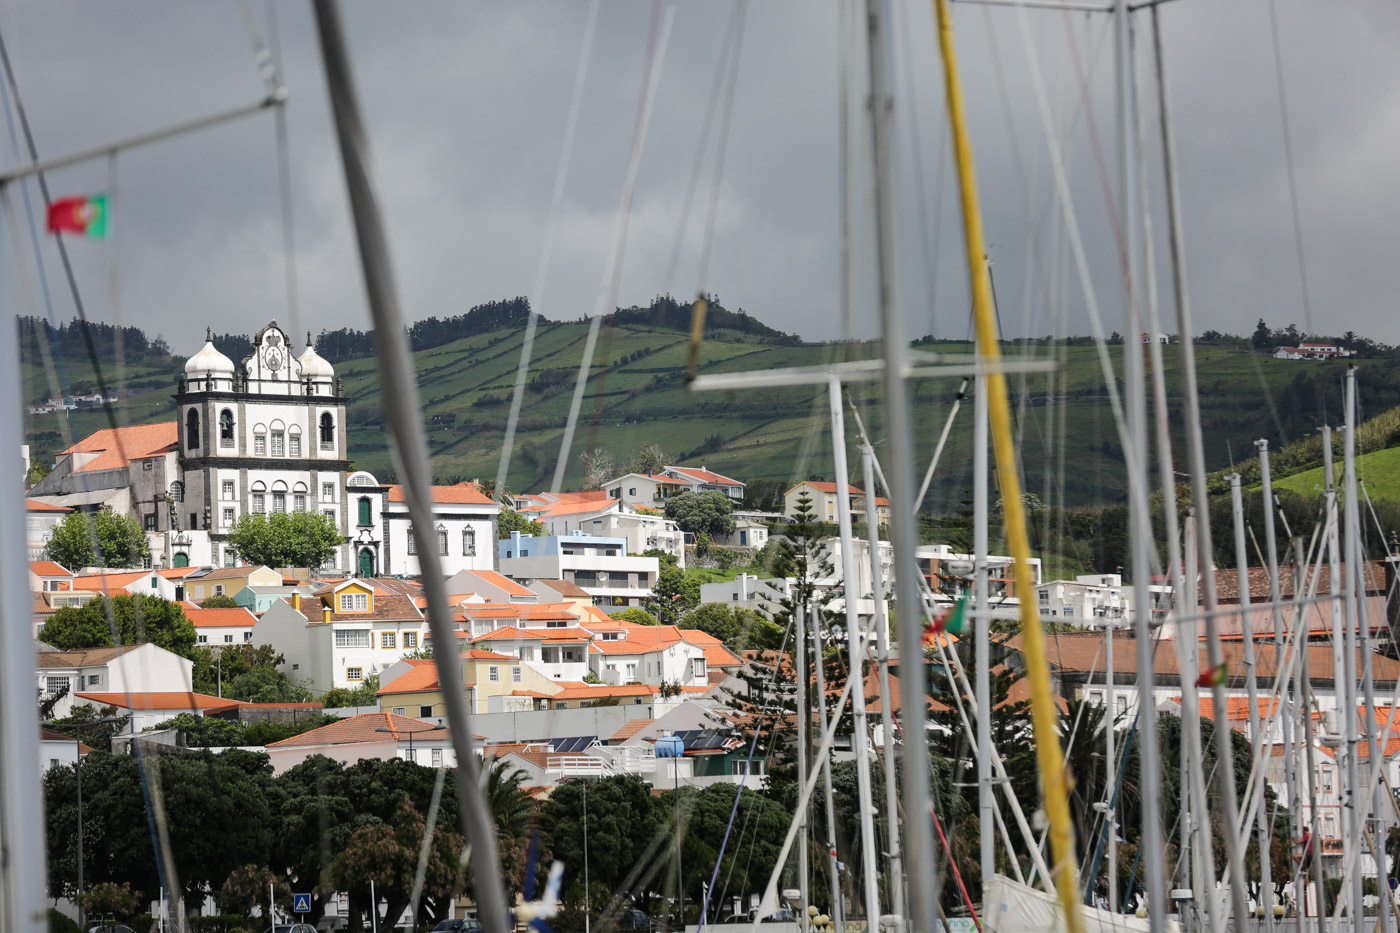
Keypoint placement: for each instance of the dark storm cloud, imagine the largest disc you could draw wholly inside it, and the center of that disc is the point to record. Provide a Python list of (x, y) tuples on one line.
[(466, 105)]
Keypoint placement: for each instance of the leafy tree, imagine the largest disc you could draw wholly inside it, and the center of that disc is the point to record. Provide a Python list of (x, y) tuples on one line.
[(674, 594), (93, 726), (512, 811), (635, 616), (106, 899), (120, 541), (701, 512), (206, 731), (38, 469), (138, 619), (511, 520), (622, 822), (704, 818), (1263, 337), (363, 695), (285, 539), (249, 673), (246, 888), (715, 619), (219, 601)]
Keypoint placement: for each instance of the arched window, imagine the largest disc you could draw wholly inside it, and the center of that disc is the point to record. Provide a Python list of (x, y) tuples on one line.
[(364, 511), (192, 429), (327, 432), (468, 542), (366, 562), (225, 428), (177, 491)]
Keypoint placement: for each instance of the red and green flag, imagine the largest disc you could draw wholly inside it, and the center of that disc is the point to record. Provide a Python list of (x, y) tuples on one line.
[(86, 216)]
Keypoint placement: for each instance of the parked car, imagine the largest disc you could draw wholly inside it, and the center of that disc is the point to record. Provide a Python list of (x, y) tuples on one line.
[(294, 928), (635, 921), (110, 928), (458, 926)]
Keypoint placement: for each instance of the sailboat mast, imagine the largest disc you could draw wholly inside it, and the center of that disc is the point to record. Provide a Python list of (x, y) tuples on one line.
[(899, 431), (833, 876), (882, 642), (855, 650), (803, 684), (982, 630), (1256, 738)]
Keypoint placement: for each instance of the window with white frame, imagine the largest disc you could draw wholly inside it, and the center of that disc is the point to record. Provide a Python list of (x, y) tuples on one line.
[(328, 492), (493, 674), (398, 710), (259, 503), (387, 640), (227, 487), (228, 639), (698, 668), (55, 685), (203, 639), (218, 589), (259, 445), (352, 638), (412, 542), (278, 444), (442, 541), (355, 602), (294, 445), (94, 680), (299, 502), (228, 517), (410, 639), (527, 653), (437, 758), (354, 674), (228, 557), (515, 675), (279, 502), (468, 542)]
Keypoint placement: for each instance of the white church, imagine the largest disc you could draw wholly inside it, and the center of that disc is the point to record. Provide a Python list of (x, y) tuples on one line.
[(264, 436)]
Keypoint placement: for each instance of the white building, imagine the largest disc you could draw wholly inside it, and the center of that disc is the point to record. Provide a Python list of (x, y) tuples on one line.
[(40, 518), (598, 565), (345, 633), (623, 653), (642, 531), (216, 628), (382, 542), (1089, 600), (824, 502), (763, 595), (123, 669)]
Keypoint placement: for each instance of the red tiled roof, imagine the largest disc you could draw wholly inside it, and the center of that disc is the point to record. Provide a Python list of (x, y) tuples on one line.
[(162, 701), (598, 691), (481, 654), (220, 618), (175, 573), (362, 729), (826, 487), (117, 447), (418, 678), (1227, 582), (565, 588), (629, 729), (461, 494), (34, 505), (705, 476), (108, 582), (386, 609), (501, 581), (48, 568)]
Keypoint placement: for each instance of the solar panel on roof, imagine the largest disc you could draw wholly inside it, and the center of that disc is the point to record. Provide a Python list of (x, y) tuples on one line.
[(573, 743)]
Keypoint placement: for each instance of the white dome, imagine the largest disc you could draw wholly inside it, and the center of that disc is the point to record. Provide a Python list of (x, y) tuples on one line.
[(313, 366), (209, 360)]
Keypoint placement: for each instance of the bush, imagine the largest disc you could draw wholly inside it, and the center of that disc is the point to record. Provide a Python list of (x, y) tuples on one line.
[(62, 923)]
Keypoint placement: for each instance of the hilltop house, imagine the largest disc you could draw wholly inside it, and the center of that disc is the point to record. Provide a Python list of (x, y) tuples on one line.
[(123, 669), (824, 501), (600, 566)]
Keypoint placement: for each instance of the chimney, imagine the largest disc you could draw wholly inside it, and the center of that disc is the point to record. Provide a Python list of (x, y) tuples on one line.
[(296, 600), (326, 612)]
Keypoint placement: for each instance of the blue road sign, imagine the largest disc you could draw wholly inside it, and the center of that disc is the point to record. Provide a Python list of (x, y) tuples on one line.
[(301, 903)]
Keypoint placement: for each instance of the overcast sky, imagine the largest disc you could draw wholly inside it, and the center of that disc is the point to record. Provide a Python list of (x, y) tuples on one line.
[(466, 107)]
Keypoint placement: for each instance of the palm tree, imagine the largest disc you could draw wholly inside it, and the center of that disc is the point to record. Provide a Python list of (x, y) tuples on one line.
[(513, 811)]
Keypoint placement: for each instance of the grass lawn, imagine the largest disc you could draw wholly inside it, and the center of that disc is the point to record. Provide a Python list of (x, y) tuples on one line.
[(1379, 471)]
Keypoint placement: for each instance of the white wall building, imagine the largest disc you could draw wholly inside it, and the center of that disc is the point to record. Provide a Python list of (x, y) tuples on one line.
[(1090, 600), (123, 669), (641, 531), (599, 566), (382, 543), (747, 591)]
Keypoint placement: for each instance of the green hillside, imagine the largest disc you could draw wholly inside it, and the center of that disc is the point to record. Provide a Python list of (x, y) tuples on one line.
[(636, 396), (1378, 470)]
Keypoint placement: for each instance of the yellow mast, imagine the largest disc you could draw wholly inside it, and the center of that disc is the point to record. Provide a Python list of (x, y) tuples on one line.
[(1043, 712)]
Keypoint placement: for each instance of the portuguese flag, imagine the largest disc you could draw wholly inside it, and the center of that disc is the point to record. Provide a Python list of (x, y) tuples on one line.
[(86, 216)]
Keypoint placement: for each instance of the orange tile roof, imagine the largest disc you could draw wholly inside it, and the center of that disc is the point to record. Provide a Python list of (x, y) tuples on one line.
[(1236, 708), (117, 447), (420, 677), (481, 654), (565, 588), (716, 655), (502, 582), (706, 476), (362, 729), (826, 487), (163, 701), (108, 582), (220, 618), (598, 691), (34, 505), (629, 729), (461, 494), (491, 610), (48, 568), (175, 573), (575, 508)]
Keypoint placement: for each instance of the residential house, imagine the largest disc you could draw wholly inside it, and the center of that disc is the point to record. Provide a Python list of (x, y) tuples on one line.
[(764, 595), (1311, 351), (258, 599), (176, 578), (148, 710), (650, 490), (126, 668), (491, 587), (949, 574), (380, 736), (624, 653), (824, 501), (563, 513), (129, 470), (228, 581), (557, 653), (464, 525), (411, 686), (704, 480), (40, 519), (746, 533), (643, 528), (1091, 600), (122, 582), (1158, 337), (221, 627), (601, 566), (45, 576), (563, 592), (345, 632), (57, 750)]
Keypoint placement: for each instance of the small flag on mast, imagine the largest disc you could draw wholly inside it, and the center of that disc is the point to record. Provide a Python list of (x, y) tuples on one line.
[(86, 216)]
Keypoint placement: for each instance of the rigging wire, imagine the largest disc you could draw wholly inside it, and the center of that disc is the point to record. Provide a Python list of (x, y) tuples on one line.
[(284, 179), (1292, 176)]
